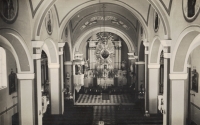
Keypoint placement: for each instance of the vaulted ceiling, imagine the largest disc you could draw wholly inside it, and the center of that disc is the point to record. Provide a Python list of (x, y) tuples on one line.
[(82, 15)]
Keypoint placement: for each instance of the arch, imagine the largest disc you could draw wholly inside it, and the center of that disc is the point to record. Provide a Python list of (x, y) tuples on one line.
[(188, 40), (87, 34), (64, 22), (155, 51), (51, 50), (13, 42)]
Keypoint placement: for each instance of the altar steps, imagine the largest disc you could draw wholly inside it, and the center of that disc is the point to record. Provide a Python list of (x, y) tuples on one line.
[(87, 99)]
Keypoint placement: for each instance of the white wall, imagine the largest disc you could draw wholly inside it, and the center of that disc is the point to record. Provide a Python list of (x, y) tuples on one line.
[(6, 100), (195, 100)]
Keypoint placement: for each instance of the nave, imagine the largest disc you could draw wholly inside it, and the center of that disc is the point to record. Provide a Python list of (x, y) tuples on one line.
[(110, 113), (65, 60)]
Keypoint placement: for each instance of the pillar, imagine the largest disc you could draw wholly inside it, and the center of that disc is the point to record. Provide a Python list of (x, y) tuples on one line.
[(25, 99), (68, 70), (153, 88), (177, 98), (189, 98), (120, 61), (166, 83), (54, 88), (116, 57), (146, 103), (141, 73), (61, 45), (38, 81), (92, 48)]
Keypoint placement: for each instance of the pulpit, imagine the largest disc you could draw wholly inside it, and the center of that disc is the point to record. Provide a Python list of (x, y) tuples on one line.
[(78, 71)]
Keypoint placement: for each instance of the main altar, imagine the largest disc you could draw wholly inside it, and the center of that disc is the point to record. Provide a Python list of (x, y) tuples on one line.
[(103, 66)]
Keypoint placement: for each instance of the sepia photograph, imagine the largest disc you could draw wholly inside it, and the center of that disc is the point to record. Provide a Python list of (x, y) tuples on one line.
[(99, 62)]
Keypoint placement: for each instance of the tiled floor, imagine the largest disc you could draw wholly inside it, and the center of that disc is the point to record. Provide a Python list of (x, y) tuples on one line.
[(86, 99)]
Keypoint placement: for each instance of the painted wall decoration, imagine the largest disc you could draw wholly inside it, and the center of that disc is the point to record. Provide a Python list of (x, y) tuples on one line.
[(191, 9), (156, 21), (195, 80), (12, 82), (9, 10), (113, 20), (49, 22)]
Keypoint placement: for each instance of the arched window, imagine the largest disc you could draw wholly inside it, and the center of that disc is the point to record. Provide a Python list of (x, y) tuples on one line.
[(3, 69)]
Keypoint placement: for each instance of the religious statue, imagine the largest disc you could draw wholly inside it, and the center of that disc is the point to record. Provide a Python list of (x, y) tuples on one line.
[(195, 79), (105, 72), (78, 69), (12, 82), (123, 65)]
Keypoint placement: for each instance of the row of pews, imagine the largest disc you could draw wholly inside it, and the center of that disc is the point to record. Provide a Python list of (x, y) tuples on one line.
[(73, 115)]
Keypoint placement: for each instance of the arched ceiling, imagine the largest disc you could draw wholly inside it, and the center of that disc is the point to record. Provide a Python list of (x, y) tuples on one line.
[(76, 11), (105, 15), (100, 9)]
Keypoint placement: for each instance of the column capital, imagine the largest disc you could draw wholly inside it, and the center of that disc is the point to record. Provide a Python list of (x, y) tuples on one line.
[(25, 76), (146, 43), (131, 56), (189, 65), (37, 49), (61, 44), (140, 63), (178, 76), (60, 47), (68, 63), (167, 55), (92, 44), (117, 44), (154, 66), (166, 43), (37, 44), (53, 66)]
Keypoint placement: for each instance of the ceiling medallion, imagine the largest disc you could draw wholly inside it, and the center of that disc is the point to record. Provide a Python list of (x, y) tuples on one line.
[(156, 22), (190, 9), (49, 22), (9, 10)]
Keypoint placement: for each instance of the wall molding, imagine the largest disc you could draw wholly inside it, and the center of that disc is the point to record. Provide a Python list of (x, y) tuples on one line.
[(37, 7), (168, 10)]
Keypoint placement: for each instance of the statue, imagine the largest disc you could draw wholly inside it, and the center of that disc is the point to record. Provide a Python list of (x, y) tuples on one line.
[(78, 70), (123, 65)]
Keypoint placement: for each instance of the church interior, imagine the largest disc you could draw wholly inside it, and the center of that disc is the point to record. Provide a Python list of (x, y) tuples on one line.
[(99, 62)]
